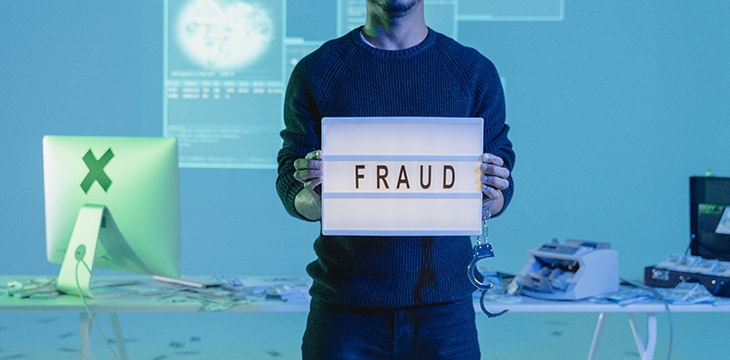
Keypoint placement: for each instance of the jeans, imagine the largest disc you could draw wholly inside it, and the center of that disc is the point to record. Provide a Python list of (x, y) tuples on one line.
[(442, 331)]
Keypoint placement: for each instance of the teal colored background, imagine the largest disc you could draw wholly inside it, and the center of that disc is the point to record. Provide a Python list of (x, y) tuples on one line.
[(612, 110)]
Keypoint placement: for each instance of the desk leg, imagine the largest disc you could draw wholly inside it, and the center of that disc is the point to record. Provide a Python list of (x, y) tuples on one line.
[(597, 336), (646, 351), (84, 331), (118, 336)]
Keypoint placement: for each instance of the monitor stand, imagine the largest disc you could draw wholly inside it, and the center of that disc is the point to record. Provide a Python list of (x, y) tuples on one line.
[(94, 225)]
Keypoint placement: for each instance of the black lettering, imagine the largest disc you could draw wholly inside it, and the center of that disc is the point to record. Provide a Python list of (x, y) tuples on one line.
[(382, 173), (453, 177), (403, 178), (426, 185), (358, 175)]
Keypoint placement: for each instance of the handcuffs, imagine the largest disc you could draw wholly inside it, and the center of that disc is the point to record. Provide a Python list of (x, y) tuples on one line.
[(483, 250)]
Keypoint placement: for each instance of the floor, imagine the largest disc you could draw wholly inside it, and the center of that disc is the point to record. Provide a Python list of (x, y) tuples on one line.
[(276, 336)]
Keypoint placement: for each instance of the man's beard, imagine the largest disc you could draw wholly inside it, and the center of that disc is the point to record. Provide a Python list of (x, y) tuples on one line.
[(396, 8)]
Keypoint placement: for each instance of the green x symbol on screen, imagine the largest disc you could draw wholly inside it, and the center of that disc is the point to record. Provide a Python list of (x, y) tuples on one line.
[(96, 170)]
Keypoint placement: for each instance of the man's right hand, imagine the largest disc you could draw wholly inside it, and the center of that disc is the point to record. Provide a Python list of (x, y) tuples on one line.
[(308, 170)]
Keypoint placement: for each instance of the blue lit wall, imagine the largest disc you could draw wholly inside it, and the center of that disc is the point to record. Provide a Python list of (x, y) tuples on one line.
[(613, 106)]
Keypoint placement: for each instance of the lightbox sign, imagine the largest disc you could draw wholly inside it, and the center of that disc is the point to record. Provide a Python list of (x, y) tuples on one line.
[(401, 176)]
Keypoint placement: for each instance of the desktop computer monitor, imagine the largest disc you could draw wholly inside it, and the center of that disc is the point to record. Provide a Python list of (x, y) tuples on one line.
[(111, 203)]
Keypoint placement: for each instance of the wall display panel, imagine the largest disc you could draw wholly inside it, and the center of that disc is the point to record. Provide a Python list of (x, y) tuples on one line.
[(222, 61), (227, 63), (511, 10)]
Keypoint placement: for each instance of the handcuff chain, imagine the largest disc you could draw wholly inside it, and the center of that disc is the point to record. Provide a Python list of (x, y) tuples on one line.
[(483, 251)]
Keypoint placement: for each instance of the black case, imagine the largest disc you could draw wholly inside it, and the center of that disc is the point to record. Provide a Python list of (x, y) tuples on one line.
[(663, 278), (704, 241)]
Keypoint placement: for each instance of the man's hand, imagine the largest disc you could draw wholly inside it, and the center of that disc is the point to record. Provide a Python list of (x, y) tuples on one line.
[(309, 172), (494, 180)]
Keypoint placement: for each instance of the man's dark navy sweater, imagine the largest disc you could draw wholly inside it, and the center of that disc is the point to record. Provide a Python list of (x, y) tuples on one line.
[(346, 77)]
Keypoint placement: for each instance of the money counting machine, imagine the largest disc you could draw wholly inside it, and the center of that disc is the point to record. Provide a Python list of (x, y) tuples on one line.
[(570, 271)]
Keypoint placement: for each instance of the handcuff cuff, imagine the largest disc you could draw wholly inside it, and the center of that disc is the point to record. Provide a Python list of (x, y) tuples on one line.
[(483, 250)]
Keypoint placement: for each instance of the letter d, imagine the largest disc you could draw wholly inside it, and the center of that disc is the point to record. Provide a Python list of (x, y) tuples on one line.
[(449, 168)]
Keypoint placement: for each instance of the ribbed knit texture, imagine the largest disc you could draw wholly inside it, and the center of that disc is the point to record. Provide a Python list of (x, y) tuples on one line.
[(348, 78)]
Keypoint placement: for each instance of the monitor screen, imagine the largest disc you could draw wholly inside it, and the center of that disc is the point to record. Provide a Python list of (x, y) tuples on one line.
[(710, 217), (134, 181)]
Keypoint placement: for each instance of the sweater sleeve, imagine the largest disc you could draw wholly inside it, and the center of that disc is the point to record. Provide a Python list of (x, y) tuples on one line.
[(299, 137), (492, 110), (480, 79)]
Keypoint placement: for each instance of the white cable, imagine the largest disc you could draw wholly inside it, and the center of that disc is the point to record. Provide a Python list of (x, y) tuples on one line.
[(86, 306), (666, 309)]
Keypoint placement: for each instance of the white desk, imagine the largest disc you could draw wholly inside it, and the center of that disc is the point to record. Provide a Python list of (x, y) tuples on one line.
[(147, 300), (646, 348), (142, 303)]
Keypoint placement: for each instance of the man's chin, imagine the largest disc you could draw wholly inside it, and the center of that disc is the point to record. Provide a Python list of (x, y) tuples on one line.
[(396, 8)]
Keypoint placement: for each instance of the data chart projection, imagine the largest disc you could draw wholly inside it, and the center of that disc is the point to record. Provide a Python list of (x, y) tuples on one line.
[(227, 63)]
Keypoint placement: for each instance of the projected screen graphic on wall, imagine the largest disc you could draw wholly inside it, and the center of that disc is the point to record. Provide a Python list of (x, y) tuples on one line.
[(227, 62), (224, 81)]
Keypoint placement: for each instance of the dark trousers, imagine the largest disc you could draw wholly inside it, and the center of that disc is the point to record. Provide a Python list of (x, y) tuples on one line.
[(443, 331)]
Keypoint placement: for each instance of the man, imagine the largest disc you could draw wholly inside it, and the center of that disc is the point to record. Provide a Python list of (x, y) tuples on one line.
[(405, 297)]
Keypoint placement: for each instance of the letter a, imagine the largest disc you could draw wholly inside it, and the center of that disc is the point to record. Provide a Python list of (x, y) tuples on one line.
[(403, 178)]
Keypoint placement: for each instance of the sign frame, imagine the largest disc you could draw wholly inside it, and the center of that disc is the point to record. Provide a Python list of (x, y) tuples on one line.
[(401, 176)]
